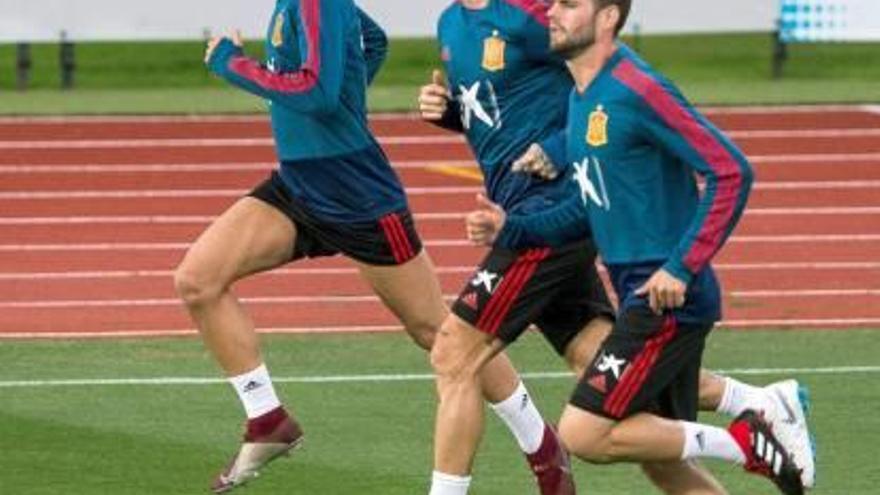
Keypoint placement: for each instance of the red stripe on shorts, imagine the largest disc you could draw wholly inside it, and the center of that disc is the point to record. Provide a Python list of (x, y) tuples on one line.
[(392, 235), (509, 289), (405, 243), (636, 374)]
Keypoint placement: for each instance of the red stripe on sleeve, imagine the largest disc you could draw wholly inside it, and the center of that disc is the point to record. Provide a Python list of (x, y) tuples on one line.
[(536, 9), (708, 239), (308, 74)]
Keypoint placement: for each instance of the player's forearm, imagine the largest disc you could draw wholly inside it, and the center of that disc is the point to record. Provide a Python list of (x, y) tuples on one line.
[(305, 90), (561, 224)]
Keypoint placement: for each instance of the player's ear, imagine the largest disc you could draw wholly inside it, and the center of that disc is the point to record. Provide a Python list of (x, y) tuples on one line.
[(609, 17)]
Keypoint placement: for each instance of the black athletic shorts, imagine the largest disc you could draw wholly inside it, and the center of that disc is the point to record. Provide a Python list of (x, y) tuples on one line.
[(556, 289), (387, 241), (649, 363)]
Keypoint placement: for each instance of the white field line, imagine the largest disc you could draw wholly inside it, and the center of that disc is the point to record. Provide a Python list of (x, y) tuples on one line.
[(176, 246), (166, 381), (818, 323), (429, 139), (410, 191), (398, 164), (369, 298), (420, 217), (443, 270)]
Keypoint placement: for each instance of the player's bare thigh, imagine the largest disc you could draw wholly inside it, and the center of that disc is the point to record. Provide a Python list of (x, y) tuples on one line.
[(249, 237), (412, 292)]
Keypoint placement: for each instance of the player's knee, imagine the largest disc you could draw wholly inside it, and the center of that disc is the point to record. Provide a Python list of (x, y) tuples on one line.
[(447, 357), (195, 288)]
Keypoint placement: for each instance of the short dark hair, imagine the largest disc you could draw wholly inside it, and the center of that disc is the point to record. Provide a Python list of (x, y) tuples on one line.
[(622, 5)]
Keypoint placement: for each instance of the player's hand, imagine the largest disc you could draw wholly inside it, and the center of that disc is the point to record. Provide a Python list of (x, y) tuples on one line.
[(536, 162), (484, 223), (434, 97), (213, 42), (663, 291)]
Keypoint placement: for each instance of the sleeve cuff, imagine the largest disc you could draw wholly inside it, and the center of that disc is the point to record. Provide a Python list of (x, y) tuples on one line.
[(224, 51), (677, 270)]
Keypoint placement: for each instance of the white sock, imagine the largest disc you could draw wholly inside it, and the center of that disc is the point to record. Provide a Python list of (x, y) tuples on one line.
[(449, 484), (710, 441), (256, 392), (739, 396), (522, 418)]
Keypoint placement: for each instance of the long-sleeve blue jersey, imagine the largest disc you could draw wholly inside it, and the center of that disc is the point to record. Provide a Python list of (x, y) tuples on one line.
[(508, 91), (321, 55), (634, 145)]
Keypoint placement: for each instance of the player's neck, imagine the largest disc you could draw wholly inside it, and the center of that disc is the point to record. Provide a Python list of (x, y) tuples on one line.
[(585, 67), (475, 4)]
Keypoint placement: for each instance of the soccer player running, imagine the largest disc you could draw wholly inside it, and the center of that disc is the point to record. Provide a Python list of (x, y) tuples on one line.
[(334, 192), (634, 144), (506, 91)]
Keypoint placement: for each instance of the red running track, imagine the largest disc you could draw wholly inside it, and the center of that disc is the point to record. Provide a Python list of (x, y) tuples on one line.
[(95, 213)]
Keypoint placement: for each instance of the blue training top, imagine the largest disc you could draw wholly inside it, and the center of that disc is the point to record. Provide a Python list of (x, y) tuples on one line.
[(634, 144), (508, 91), (321, 55)]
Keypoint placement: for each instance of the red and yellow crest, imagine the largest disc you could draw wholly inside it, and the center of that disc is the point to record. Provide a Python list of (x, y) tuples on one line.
[(278, 31), (597, 130), (493, 52)]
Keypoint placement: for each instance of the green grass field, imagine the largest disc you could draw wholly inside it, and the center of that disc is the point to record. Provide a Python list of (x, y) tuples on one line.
[(169, 77), (364, 435)]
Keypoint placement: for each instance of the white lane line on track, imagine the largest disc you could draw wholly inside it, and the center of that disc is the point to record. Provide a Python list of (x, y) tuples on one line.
[(369, 298), (420, 217), (806, 293), (174, 246), (399, 117), (258, 118), (875, 109), (187, 219), (429, 139), (387, 378), (410, 191), (398, 164), (202, 167), (110, 143), (444, 270), (196, 193), (817, 323), (814, 157)]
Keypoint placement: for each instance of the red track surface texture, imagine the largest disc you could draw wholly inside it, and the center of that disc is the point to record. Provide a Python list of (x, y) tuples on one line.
[(95, 214)]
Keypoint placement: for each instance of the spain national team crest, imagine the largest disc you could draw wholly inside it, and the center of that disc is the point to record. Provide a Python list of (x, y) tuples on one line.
[(597, 130), (493, 52), (278, 31)]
